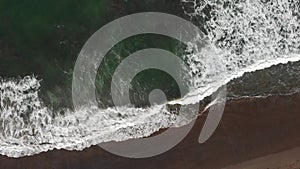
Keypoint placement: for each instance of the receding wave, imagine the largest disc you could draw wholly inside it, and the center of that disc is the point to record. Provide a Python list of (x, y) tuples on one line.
[(28, 127)]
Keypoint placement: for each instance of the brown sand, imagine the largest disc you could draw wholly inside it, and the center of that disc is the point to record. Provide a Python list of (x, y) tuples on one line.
[(250, 129), (283, 160)]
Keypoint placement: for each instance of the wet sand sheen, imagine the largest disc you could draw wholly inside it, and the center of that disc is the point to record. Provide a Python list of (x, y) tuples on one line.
[(250, 129), (284, 160)]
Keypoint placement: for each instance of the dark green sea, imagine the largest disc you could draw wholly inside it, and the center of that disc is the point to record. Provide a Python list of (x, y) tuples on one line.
[(254, 53)]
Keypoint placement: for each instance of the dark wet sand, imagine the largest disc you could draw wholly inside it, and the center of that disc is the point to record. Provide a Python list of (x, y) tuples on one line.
[(251, 130), (284, 160)]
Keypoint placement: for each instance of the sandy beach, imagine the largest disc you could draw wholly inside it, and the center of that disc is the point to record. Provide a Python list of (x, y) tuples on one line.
[(254, 133), (284, 160)]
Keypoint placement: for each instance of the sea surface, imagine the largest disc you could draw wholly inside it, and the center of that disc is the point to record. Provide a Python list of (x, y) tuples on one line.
[(249, 46)]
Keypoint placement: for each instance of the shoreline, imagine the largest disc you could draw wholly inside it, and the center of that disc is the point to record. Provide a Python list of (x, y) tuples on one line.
[(251, 128)]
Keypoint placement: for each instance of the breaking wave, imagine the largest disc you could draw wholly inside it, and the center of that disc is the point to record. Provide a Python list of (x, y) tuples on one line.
[(240, 36)]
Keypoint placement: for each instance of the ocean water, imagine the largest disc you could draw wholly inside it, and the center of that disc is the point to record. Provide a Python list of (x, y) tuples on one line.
[(252, 46)]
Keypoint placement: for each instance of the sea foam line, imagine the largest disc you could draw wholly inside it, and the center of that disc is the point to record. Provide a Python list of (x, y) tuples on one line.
[(242, 36)]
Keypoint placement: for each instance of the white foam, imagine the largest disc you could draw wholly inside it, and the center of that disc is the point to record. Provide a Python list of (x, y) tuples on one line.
[(243, 36)]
